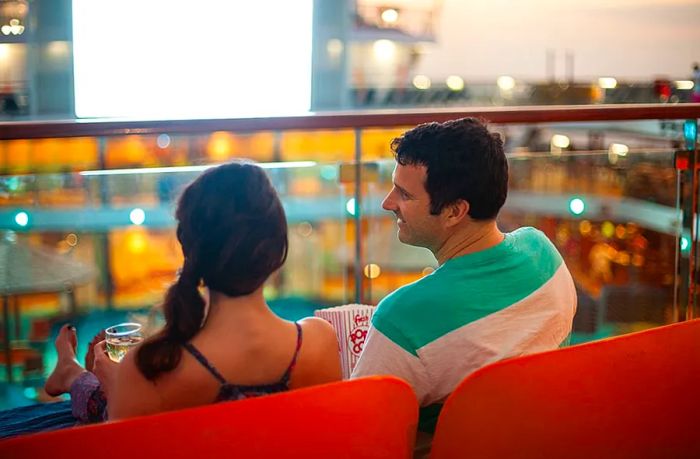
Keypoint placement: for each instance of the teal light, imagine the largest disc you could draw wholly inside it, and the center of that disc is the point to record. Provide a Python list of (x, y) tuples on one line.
[(351, 206), (329, 172), (690, 132), (577, 206), (22, 219), (30, 393), (137, 216), (685, 244)]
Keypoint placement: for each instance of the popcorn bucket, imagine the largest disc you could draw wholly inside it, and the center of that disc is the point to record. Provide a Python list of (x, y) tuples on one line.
[(351, 323)]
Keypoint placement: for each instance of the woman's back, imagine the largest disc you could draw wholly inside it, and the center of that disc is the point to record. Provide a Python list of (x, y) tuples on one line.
[(255, 354)]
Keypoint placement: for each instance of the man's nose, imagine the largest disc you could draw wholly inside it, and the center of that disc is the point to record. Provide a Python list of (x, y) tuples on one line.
[(388, 203)]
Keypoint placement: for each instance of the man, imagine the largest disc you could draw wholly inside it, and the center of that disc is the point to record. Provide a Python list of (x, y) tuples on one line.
[(493, 296)]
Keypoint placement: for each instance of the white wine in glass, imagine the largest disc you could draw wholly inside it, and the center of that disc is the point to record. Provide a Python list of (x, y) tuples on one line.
[(121, 338)]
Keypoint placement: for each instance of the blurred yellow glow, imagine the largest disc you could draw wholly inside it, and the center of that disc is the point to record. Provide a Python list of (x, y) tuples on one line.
[(384, 50), (136, 242), (421, 82), (560, 141), (455, 83), (619, 149), (4, 50), (372, 271), (585, 227), (607, 82), (220, 146), (390, 16), (505, 82), (428, 270), (684, 84), (608, 229)]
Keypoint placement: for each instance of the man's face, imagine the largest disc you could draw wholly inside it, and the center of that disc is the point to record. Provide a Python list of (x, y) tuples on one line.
[(410, 202)]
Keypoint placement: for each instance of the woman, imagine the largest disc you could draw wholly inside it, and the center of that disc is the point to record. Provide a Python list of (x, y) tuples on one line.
[(233, 233)]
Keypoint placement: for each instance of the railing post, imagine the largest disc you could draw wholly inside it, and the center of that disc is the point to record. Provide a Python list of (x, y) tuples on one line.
[(690, 131), (108, 282), (358, 216)]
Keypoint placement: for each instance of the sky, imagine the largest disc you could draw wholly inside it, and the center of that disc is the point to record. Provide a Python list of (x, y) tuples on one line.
[(626, 39)]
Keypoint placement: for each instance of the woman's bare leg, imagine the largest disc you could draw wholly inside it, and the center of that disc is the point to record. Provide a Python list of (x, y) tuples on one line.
[(67, 368)]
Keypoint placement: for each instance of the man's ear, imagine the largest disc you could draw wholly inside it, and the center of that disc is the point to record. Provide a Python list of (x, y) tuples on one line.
[(456, 212)]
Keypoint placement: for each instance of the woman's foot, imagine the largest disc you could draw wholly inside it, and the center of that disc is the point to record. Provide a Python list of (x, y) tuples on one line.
[(90, 354), (67, 368)]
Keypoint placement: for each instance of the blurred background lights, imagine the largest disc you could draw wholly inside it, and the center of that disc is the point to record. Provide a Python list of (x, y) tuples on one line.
[(384, 50), (560, 141), (607, 82), (351, 207), (163, 141), (137, 216), (585, 227), (305, 229), (329, 172), (22, 218), (334, 48), (684, 84), (607, 229), (455, 83), (619, 149), (13, 28), (372, 271), (685, 244), (421, 82), (577, 206), (72, 239), (390, 15), (505, 83)]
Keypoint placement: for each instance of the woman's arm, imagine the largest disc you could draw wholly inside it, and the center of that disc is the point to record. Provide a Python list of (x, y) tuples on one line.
[(128, 393)]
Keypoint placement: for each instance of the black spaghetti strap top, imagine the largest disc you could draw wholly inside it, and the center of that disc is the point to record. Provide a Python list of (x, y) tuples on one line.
[(229, 391)]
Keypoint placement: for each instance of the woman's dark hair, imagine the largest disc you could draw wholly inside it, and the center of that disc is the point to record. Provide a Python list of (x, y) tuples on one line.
[(463, 160), (233, 233)]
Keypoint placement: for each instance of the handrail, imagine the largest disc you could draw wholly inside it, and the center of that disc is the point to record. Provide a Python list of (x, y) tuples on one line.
[(350, 119)]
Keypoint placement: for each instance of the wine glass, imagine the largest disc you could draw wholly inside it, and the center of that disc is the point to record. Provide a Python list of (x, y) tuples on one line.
[(120, 338)]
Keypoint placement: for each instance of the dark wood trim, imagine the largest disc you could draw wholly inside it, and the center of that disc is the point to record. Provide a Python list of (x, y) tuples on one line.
[(348, 120)]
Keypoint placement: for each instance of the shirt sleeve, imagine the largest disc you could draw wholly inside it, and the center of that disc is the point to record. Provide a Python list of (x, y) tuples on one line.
[(382, 356)]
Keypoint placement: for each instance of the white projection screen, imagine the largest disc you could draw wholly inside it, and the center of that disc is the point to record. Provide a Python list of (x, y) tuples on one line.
[(169, 59)]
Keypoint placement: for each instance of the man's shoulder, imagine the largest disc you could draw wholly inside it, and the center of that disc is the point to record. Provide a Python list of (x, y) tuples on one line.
[(409, 296), (531, 241)]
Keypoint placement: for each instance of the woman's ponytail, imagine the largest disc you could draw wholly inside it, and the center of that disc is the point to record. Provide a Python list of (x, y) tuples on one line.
[(184, 311)]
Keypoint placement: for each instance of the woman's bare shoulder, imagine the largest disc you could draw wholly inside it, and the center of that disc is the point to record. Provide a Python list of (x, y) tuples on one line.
[(318, 330), (319, 360)]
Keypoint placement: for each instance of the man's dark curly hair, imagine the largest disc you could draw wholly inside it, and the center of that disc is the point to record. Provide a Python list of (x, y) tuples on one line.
[(463, 160)]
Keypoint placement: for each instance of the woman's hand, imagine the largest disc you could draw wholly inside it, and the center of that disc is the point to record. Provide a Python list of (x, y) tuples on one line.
[(104, 368)]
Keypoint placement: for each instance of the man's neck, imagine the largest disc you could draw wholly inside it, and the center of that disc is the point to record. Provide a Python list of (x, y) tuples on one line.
[(475, 237)]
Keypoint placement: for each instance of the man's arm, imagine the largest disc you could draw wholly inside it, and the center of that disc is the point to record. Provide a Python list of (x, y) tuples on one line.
[(382, 356)]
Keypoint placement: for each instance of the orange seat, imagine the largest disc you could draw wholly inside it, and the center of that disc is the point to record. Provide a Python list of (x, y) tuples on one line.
[(632, 396), (365, 418)]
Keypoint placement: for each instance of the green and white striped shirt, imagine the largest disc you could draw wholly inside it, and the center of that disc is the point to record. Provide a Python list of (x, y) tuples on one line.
[(515, 298)]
